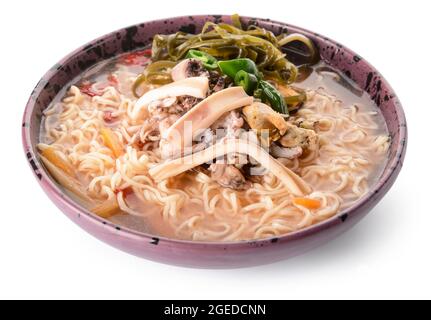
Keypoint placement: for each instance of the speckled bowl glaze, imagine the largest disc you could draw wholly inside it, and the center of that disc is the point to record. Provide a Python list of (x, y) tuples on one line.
[(205, 254)]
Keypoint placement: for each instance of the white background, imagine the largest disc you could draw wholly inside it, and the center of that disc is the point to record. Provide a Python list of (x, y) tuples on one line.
[(387, 255)]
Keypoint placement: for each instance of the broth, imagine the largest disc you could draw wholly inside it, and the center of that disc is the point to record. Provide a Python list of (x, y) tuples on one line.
[(353, 144)]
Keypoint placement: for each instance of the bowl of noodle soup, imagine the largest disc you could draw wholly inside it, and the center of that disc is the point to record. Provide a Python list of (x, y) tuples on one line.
[(294, 139)]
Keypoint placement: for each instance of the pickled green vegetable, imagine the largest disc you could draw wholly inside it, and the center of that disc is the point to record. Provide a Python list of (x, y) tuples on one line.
[(236, 21), (224, 42), (246, 80), (158, 72)]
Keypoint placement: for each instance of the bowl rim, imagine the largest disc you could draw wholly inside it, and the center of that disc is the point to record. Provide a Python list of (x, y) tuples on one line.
[(51, 187)]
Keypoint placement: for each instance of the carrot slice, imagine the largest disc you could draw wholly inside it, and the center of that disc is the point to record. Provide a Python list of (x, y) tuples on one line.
[(112, 141), (307, 203), (54, 156)]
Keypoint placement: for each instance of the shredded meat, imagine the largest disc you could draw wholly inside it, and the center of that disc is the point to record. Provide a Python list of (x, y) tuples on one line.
[(230, 123), (218, 82), (164, 113), (166, 122), (195, 68), (187, 102), (228, 176), (229, 126), (160, 109), (206, 137)]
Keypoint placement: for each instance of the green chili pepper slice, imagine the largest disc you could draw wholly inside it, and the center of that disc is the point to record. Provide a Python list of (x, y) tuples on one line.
[(138, 82), (208, 60), (272, 96), (246, 80), (231, 67)]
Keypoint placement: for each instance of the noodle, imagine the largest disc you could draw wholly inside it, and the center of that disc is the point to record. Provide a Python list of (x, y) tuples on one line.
[(192, 205)]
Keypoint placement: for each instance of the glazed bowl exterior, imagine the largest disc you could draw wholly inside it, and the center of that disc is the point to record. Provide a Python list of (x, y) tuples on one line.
[(212, 254)]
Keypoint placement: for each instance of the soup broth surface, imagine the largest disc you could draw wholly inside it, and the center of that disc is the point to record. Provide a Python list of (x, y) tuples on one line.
[(353, 144)]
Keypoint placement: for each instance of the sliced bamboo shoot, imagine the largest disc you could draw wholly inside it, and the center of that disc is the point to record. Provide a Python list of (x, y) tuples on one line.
[(56, 158), (65, 176), (107, 208), (204, 114), (295, 184), (67, 181), (195, 86)]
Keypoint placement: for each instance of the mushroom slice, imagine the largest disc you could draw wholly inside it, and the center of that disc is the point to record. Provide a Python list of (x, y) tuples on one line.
[(298, 137), (204, 114), (196, 87), (228, 176), (294, 98), (260, 116), (172, 168)]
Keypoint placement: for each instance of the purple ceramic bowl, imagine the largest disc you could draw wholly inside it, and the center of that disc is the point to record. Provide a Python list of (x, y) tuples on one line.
[(207, 254)]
